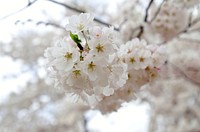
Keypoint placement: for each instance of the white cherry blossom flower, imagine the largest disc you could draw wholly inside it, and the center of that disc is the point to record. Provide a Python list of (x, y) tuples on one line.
[(118, 72), (119, 75), (96, 32), (101, 47), (144, 59), (77, 79), (63, 56), (79, 23), (92, 66), (107, 91)]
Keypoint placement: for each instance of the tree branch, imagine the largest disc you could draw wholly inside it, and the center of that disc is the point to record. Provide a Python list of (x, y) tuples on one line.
[(157, 12), (141, 27), (141, 32), (80, 11), (190, 25), (62, 4), (41, 23), (186, 30), (147, 10), (190, 40), (66, 6), (28, 5)]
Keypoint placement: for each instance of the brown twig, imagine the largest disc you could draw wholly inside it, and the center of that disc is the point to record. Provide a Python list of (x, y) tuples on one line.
[(141, 32)]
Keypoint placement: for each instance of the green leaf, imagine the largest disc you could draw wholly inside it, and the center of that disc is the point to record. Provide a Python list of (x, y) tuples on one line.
[(75, 38)]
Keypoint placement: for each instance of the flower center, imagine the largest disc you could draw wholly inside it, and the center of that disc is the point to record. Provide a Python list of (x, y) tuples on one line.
[(99, 48), (77, 73), (132, 60), (68, 55), (91, 66), (80, 26), (141, 59)]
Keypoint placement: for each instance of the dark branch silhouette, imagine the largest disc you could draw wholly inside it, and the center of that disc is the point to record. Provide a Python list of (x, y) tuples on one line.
[(140, 27), (66, 6), (81, 11), (28, 5), (62, 4), (145, 20), (185, 31), (147, 11), (140, 32), (40, 23), (157, 12)]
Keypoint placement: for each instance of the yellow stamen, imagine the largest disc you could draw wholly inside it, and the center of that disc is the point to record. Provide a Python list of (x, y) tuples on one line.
[(132, 60), (91, 66), (77, 73), (68, 55), (99, 48)]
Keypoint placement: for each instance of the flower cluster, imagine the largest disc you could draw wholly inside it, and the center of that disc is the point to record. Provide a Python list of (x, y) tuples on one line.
[(101, 71), (171, 20), (184, 55)]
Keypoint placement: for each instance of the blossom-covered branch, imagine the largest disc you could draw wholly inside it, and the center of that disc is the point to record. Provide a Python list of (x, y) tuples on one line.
[(94, 65)]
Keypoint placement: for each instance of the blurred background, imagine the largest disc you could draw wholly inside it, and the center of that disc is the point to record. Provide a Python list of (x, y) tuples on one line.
[(30, 103)]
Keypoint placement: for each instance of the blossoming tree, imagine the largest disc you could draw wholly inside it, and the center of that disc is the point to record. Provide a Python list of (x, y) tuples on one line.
[(149, 50)]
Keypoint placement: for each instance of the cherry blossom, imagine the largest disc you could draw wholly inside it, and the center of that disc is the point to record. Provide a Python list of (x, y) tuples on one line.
[(97, 67), (79, 23)]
